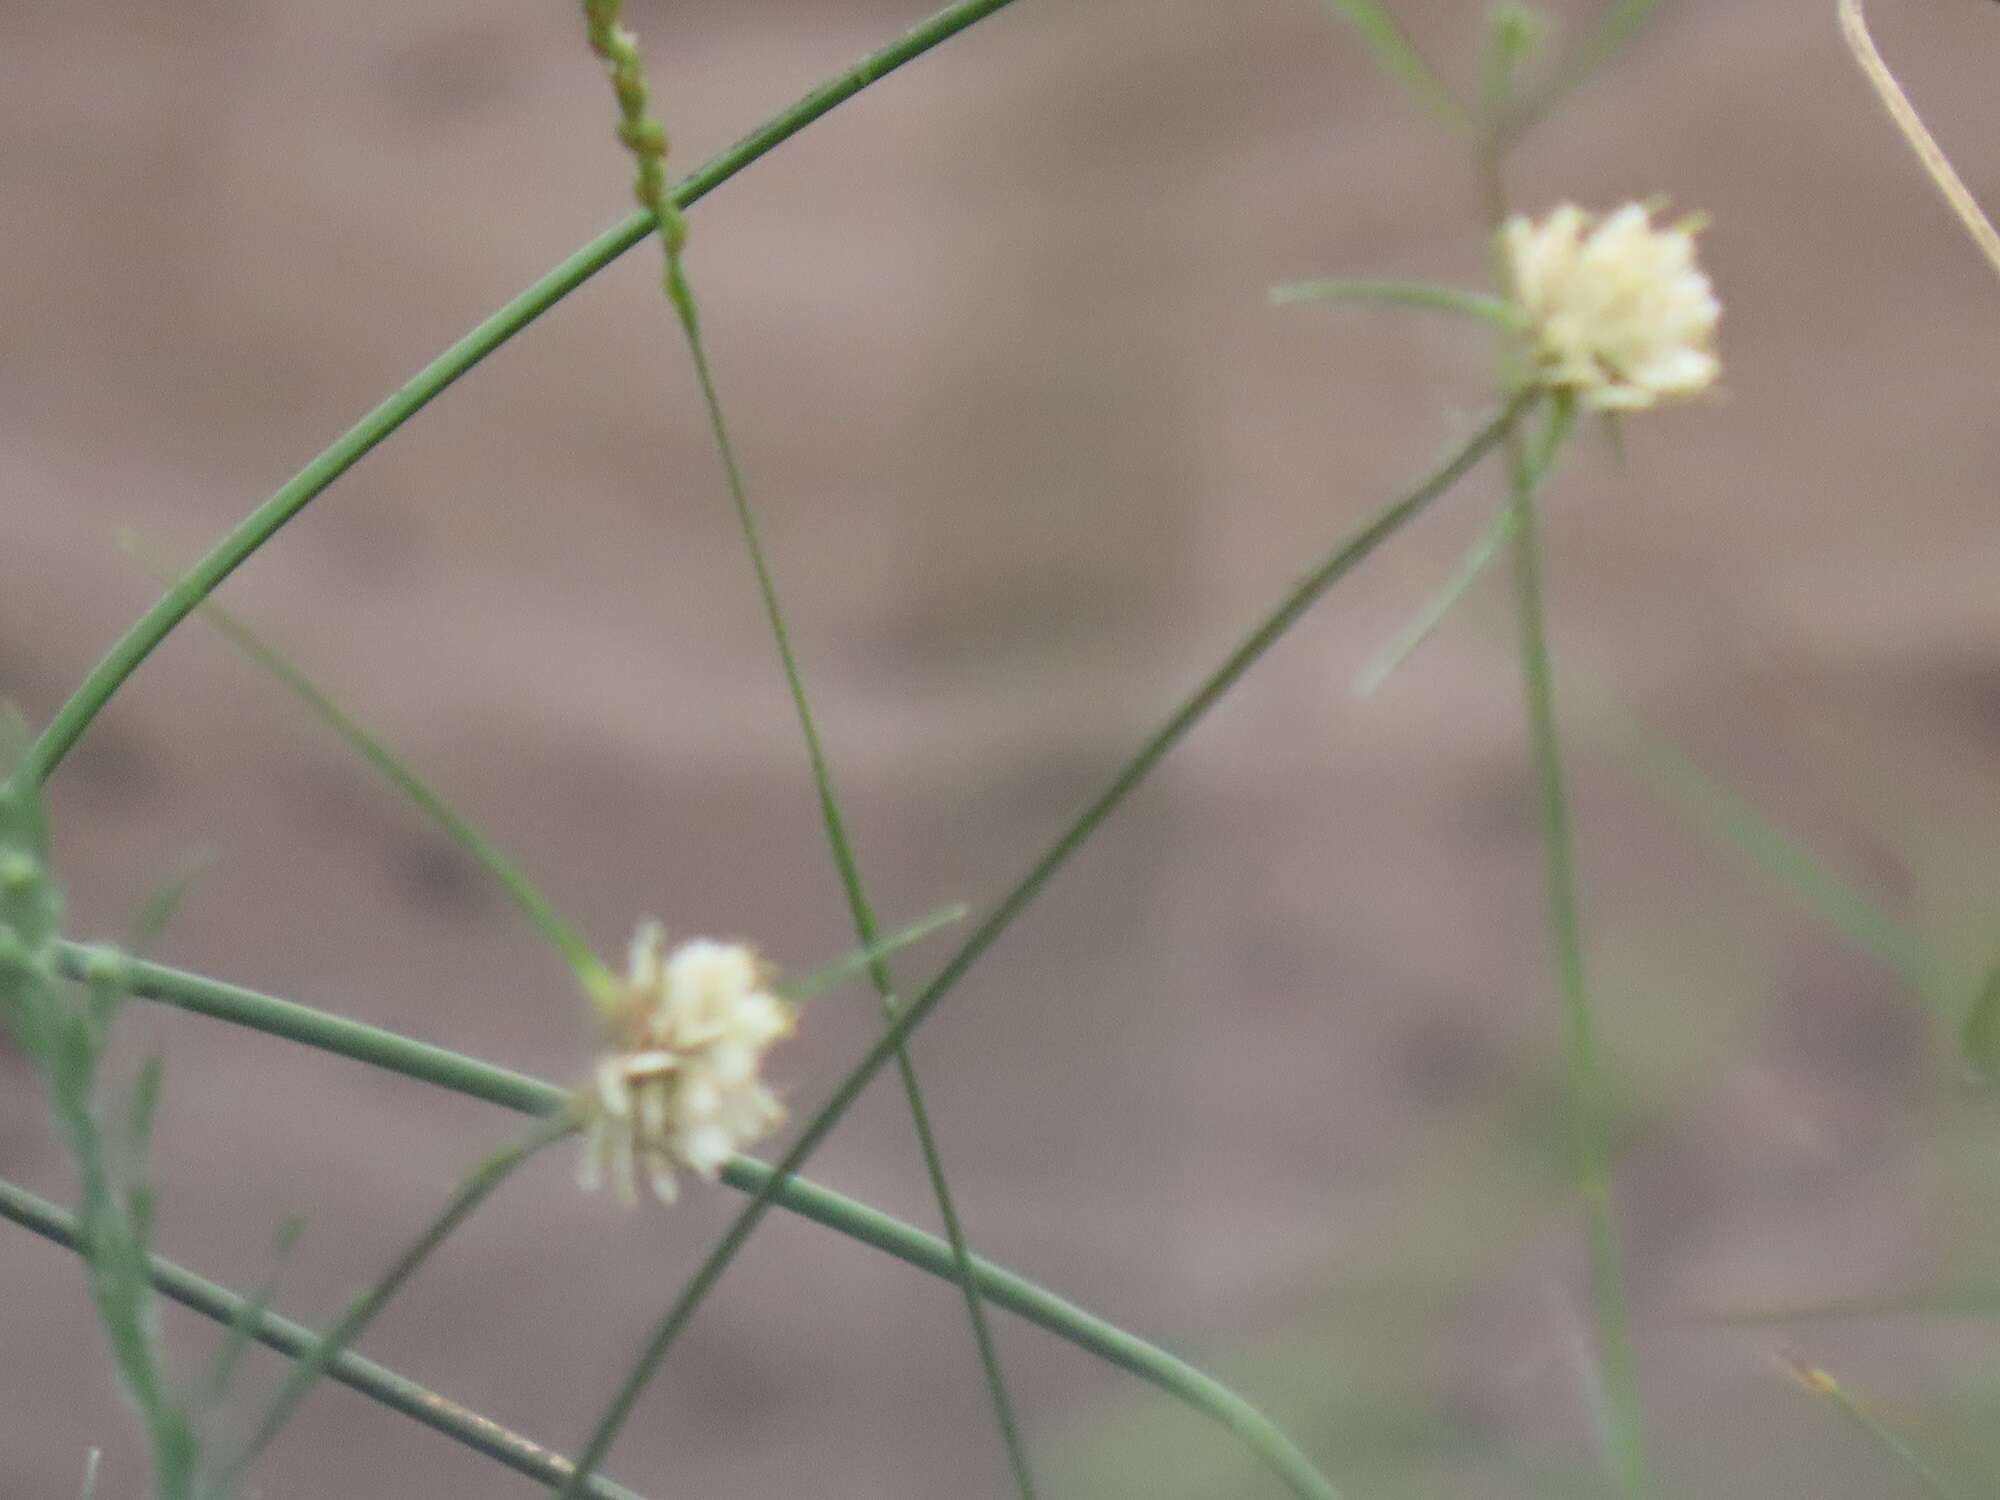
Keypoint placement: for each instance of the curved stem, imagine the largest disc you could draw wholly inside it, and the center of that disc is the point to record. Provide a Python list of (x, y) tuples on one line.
[(533, 1096), (1903, 114), (293, 1340), (263, 523), (1306, 1480)]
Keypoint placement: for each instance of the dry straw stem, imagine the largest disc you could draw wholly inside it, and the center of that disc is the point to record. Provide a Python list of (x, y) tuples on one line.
[(1854, 27)]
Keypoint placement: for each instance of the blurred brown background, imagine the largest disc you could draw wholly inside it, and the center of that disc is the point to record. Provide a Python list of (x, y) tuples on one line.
[(1271, 1074)]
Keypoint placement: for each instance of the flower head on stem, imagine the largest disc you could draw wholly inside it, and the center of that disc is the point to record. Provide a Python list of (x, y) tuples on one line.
[(677, 1085), (1616, 311)]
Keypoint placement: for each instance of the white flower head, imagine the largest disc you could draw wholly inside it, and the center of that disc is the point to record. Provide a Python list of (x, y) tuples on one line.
[(1616, 311), (677, 1085)]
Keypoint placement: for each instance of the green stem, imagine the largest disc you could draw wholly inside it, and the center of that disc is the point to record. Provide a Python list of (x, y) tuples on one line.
[(532, 1096), (1295, 603), (1399, 57), (1613, 28), (1485, 547), (228, 1355), (1625, 1435), (597, 980), (293, 1340), (479, 1185), (799, 988), (590, 971), (859, 908), (263, 523), (1734, 820), (1412, 294)]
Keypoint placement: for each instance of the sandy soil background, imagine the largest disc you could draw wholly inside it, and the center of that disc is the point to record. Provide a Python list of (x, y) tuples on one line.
[(1271, 1073)]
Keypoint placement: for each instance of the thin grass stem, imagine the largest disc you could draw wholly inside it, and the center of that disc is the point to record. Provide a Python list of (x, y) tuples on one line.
[(1485, 547), (1732, 820), (1494, 535), (803, 987), (1411, 294), (479, 1185), (590, 971), (1513, 32), (229, 1353), (860, 910), (1346, 556), (83, 706), (293, 1340), (596, 979), (1401, 59), (1624, 1430), (1614, 27)]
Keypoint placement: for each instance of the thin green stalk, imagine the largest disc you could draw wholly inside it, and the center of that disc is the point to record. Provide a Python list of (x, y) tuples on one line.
[(802, 987), (532, 1096), (645, 138), (596, 978), (317, 1029), (1513, 33), (590, 970), (229, 1353), (293, 1340), (1733, 820), (83, 706), (1477, 558), (163, 903), (1335, 566), (466, 1198), (1399, 57), (1820, 1382), (1614, 27), (1624, 1430), (859, 908), (1418, 295)]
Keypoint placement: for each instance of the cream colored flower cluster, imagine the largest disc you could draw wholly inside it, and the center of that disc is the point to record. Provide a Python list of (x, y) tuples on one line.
[(678, 1085), (1617, 311)]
